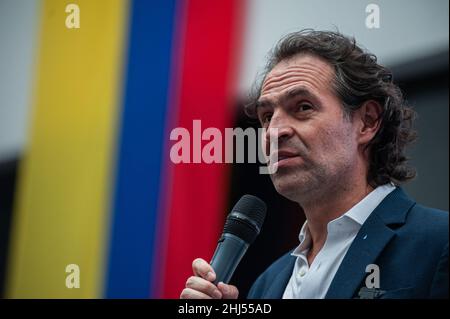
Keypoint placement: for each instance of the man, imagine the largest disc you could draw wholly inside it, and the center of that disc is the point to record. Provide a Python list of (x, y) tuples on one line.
[(342, 127)]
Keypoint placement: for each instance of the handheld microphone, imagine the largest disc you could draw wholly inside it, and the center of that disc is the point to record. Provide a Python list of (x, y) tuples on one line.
[(242, 226)]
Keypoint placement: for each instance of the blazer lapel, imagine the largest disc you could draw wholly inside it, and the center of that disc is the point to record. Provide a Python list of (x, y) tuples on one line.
[(370, 241), (279, 284)]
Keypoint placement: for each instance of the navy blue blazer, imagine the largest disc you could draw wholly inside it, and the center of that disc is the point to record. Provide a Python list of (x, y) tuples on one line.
[(407, 241)]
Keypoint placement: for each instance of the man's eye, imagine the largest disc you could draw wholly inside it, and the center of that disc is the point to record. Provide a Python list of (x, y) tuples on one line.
[(265, 119), (302, 107)]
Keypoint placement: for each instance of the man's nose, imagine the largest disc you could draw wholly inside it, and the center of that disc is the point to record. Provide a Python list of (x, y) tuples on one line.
[(279, 128)]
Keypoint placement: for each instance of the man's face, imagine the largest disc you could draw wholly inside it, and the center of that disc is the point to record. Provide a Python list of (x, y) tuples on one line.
[(317, 148)]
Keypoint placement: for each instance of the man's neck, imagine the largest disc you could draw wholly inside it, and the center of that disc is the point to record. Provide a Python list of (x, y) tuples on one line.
[(332, 204)]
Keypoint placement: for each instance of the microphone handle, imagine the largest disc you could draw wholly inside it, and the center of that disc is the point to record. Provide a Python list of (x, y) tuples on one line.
[(227, 256)]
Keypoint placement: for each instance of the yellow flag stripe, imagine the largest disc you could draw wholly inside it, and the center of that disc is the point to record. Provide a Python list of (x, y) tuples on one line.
[(62, 203)]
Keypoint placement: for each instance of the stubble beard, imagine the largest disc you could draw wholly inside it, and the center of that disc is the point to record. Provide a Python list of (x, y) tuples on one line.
[(310, 184)]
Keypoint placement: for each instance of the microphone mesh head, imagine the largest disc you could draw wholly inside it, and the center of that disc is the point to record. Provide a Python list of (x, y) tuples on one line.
[(253, 208), (246, 218)]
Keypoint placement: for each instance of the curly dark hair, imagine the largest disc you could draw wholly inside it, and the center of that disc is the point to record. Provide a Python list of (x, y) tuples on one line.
[(357, 78)]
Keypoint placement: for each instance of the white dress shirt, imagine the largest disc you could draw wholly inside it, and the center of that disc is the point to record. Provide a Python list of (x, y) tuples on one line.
[(312, 281)]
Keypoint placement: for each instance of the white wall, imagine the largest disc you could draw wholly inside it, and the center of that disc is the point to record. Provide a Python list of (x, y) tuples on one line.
[(408, 28), (18, 30)]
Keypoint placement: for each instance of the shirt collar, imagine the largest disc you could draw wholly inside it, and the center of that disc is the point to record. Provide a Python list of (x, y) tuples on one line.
[(305, 240), (358, 213), (361, 211)]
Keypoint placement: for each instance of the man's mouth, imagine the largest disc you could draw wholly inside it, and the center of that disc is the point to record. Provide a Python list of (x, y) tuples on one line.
[(282, 156)]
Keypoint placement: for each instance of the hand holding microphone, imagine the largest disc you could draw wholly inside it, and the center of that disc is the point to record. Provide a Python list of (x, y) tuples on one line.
[(242, 226), (201, 286)]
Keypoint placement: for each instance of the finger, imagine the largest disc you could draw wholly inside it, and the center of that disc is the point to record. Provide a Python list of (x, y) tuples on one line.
[(203, 286), (228, 291), (189, 293), (202, 269)]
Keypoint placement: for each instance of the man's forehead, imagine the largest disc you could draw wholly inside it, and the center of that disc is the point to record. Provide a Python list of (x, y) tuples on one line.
[(299, 68), (302, 59)]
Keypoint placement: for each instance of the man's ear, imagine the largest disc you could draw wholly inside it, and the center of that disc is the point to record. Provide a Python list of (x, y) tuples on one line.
[(368, 117)]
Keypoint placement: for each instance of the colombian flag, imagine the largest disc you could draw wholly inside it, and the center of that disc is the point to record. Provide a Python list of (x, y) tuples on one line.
[(96, 186)]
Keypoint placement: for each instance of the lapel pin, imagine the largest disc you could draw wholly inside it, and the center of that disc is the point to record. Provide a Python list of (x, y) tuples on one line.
[(370, 293)]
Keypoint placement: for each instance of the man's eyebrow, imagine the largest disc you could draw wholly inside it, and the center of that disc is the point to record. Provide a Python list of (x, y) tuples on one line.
[(264, 103), (296, 91)]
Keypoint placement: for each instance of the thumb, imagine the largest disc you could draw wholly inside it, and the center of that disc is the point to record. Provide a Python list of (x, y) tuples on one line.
[(228, 291)]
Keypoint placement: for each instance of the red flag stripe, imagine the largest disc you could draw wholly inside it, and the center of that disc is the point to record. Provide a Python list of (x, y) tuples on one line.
[(197, 196)]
